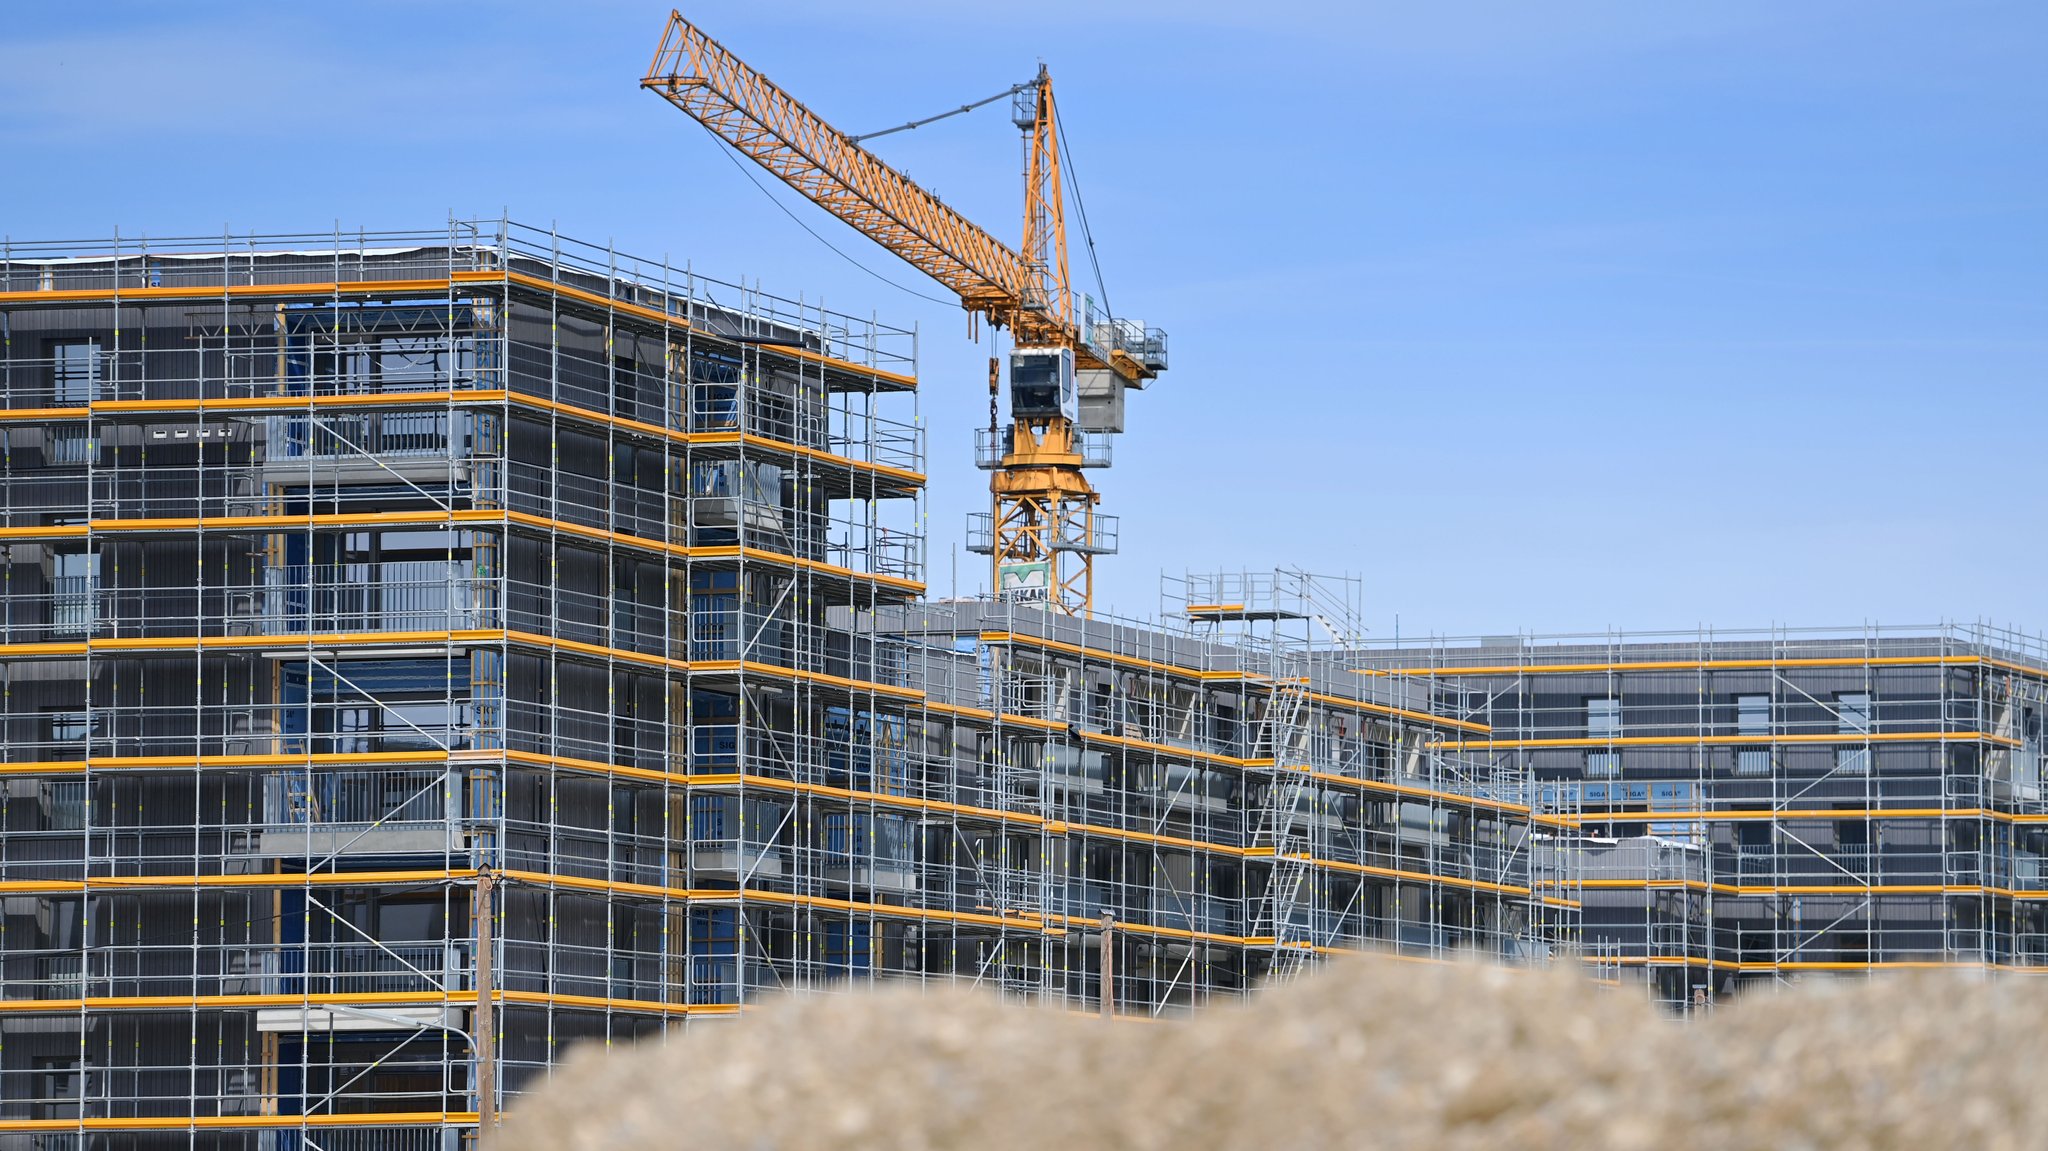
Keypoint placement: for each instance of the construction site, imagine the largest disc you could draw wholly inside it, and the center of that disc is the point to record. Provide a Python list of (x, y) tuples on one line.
[(428, 651)]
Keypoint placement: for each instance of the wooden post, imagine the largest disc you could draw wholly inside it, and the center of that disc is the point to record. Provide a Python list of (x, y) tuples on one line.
[(1108, 989), (486, 1040)]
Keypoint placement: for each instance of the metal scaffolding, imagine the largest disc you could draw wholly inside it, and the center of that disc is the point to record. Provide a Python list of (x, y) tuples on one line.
[(344, 570), (1237, 802), (1776, 805), (422, 652)]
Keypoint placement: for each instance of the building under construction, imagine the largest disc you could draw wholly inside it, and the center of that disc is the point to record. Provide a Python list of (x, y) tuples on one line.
[(427, 651), (1738, 807)]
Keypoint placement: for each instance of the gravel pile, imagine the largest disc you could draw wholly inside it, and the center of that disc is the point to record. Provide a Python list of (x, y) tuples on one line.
[(1370, 1053)]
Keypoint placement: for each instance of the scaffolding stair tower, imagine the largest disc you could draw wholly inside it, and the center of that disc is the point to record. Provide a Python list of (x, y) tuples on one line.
[(1287, 908)]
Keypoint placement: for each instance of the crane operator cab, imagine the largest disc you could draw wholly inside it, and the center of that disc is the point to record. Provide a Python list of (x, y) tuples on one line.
[(1042, 383)]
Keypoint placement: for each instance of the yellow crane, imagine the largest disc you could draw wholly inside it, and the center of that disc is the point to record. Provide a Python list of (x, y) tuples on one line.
[(1068, 371)]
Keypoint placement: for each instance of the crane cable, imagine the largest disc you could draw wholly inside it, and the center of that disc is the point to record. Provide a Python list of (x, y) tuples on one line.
[(1073, 178), (1012, 90), (1067, 157), (727, 150)]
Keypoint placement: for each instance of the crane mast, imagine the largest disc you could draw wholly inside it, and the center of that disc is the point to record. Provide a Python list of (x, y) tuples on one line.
[(1067, 374), (1045, 231)]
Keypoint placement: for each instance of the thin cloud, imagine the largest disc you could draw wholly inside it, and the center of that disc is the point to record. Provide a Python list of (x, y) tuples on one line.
[(259, 82)]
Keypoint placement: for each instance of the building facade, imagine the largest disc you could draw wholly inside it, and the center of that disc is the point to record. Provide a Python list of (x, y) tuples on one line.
[(426, 651), (1736, 808)]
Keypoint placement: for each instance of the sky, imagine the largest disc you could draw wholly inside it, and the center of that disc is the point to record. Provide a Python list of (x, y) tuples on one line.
[(1568, 316)]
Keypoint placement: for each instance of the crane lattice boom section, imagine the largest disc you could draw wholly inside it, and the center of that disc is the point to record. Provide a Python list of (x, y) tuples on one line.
[(745, 108)]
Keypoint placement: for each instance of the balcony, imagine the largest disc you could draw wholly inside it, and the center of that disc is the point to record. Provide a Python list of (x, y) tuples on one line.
[(367, 448), (324, 814), (745, 860)]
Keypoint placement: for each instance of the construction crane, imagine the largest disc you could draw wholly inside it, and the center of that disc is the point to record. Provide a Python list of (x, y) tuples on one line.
[(1068, 372)]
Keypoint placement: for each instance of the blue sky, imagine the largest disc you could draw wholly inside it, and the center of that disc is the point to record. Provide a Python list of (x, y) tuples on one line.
[(1554, 316)]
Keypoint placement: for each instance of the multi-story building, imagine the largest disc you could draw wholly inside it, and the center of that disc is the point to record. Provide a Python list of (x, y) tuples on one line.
[(1226, 773), (422, 652), (1777, 805)]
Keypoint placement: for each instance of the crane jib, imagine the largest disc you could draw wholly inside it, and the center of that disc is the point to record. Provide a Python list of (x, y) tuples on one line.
[(756, 116)]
